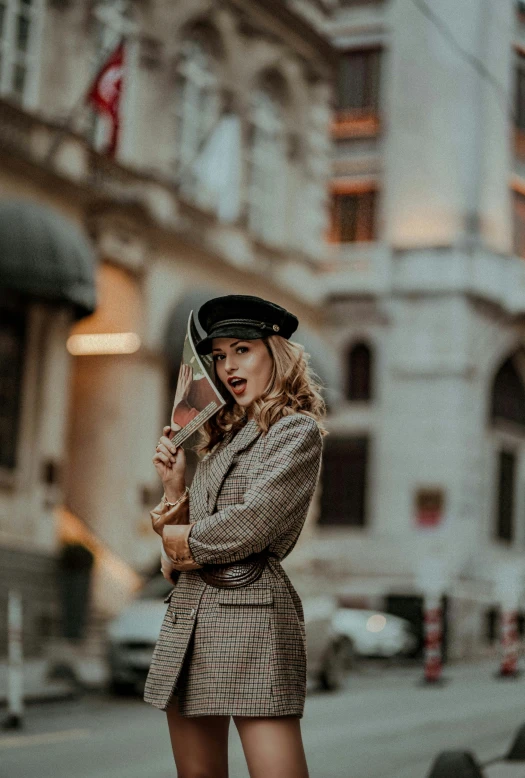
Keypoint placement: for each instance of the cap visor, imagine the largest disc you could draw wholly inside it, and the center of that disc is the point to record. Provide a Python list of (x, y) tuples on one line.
[(239, 332)]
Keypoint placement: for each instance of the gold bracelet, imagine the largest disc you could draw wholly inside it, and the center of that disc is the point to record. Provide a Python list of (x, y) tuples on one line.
[(181, 498)]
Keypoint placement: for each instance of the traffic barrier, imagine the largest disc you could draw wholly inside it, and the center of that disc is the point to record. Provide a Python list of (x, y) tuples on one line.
[(516, 752), (433, 661), (463, 764), (15, 668), (509, 644), (456, 764)]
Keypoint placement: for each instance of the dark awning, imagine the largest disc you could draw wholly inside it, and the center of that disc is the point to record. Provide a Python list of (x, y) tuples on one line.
[(45, 256), (323, 358)]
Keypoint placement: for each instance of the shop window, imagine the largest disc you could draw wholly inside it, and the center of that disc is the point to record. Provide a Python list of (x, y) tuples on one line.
[(12, 342), (359, 373), (505, 495), (344, 482)]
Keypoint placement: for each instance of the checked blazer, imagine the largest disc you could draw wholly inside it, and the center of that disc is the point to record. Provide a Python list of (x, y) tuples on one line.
[(241, 651)]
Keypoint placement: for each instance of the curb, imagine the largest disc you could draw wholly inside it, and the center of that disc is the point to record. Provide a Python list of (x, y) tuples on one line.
[(51, 695)]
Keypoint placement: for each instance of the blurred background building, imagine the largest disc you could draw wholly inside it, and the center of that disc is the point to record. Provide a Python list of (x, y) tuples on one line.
[(360, 162), (217, 186), (426, 295)]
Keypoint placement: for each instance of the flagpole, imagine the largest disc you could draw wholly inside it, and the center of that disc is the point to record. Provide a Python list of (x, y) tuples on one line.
[(80, 105)]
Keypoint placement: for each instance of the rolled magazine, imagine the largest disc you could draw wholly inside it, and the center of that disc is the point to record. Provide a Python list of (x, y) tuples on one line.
[(197, 398)]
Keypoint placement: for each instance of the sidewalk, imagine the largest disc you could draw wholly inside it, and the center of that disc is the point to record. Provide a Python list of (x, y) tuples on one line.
[(36, 686), (368, 676), (91, 674)]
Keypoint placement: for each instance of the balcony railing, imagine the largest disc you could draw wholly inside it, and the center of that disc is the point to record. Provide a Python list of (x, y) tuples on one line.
[(357, 268)]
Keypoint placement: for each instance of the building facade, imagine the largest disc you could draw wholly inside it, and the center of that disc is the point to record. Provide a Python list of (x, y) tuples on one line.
[(425, 290), (218, 186)]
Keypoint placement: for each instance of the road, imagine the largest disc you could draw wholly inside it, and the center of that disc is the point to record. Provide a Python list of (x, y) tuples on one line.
[(384, 724)]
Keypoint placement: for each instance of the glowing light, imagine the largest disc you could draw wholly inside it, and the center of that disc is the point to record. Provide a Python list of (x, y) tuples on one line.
[(376, 623), (103, 343)]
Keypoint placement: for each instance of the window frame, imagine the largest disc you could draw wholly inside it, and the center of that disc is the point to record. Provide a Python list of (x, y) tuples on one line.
[(268, 173), (12, 55), (366, 230), (196, 85), (363, 119)]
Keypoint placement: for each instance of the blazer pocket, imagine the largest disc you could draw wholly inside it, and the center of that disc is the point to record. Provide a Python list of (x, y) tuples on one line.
[(170, 595), (246, 596)]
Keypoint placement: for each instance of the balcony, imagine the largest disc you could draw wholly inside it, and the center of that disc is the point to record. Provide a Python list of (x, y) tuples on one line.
[(353, 269)]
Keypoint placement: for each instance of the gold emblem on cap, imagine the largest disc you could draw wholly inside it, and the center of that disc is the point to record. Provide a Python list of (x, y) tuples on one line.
[(276, 327)]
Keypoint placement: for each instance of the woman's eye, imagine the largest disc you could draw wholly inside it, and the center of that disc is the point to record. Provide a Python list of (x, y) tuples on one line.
[(216, 357)]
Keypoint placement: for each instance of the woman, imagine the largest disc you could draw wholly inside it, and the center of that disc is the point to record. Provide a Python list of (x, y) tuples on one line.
[(227, 649)]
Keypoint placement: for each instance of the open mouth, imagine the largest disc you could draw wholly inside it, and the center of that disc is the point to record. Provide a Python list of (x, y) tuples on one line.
[(238, 385)]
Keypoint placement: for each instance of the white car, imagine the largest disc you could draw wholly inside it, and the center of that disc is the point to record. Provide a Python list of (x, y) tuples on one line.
[(373, 633), (133, 633)]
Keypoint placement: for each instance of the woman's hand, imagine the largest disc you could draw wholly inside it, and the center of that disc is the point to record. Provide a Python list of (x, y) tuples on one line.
[(163, 515), (170, 464)]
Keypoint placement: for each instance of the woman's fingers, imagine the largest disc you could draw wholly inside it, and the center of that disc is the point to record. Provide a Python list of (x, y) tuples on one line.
[(161, 457), (162, 449), (165, 441)]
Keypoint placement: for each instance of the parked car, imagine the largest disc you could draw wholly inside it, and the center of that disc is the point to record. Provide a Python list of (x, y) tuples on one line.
[(375, 634), (133, 633)]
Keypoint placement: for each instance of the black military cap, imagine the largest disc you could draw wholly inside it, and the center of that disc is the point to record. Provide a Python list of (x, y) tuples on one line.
[(243, 316)]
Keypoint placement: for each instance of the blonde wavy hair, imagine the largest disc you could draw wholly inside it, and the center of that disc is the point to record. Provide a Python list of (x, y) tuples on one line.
[(293, 388)]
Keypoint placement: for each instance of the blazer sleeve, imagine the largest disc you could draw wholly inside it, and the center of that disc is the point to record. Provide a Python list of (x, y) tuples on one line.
[(282, 489)]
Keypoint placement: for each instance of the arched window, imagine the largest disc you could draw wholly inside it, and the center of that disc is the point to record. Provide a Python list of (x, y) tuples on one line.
[(507, 407), (197, 105), (359, 373), (268, 180), (508, 394)]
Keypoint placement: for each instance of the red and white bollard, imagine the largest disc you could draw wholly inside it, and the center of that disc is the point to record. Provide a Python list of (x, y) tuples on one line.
[(433, 648), (509, 644), (15, 668), (508, 588)]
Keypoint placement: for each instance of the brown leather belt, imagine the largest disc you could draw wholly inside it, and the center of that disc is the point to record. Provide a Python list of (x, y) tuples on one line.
[(230, 575)]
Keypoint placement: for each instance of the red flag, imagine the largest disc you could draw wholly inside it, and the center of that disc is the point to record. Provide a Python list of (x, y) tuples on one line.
[(106, 90)]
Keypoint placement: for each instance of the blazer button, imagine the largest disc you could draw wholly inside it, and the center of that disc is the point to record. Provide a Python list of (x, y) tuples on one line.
[(174, 617), (192, 612)]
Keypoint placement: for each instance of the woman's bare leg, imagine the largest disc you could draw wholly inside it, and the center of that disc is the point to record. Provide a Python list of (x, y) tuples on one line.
[(273, 746), (199, 744)]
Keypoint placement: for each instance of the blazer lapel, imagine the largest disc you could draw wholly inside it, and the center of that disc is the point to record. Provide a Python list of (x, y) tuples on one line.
[(224, 459)]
